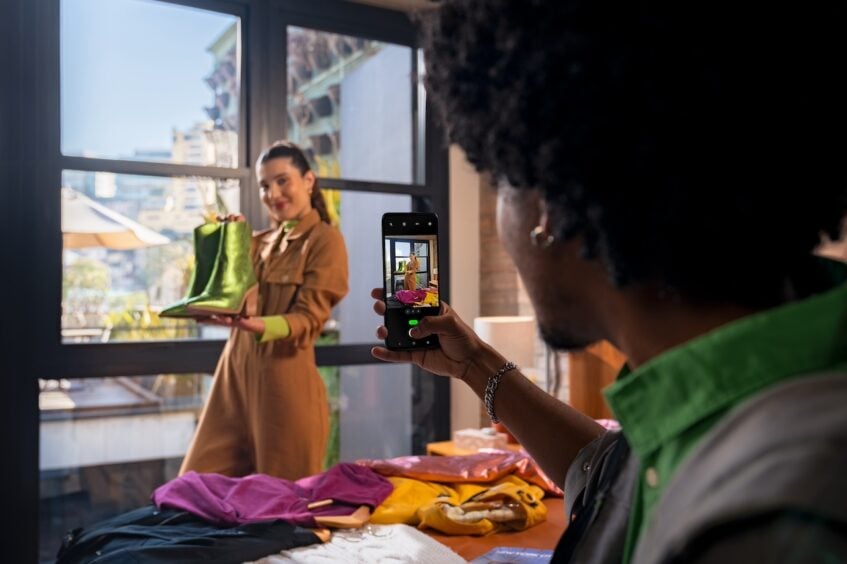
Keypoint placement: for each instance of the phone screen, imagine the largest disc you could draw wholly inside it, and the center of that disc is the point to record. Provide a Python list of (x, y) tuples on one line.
[(410, 275)]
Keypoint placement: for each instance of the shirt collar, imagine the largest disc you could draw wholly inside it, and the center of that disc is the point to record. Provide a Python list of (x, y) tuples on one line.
[(299, 227), (304, 224), (714, 372)]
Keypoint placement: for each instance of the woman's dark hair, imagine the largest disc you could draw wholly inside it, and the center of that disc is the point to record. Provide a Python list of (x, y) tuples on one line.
[(697, 146), (288, 150)]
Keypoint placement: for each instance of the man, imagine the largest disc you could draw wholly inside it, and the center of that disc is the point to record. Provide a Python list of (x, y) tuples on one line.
[(666, 170)]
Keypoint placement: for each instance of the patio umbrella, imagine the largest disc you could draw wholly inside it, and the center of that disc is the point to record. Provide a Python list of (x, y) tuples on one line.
[(85, 223)]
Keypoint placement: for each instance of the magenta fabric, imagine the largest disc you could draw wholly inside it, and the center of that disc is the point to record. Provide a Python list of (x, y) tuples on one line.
[(409, 297), (259, 497)]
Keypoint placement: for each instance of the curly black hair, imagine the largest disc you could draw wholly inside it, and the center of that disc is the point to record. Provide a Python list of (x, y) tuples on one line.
[(695, 146)]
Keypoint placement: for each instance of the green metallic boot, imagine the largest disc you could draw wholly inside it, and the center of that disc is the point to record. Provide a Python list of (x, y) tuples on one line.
[(207, 239), (232, 288)]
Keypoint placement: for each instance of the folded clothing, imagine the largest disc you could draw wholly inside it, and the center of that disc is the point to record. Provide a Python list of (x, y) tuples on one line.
[(259, 497), (463, 508), (151, 535), (397, 544), (482, 467), (409, 297)]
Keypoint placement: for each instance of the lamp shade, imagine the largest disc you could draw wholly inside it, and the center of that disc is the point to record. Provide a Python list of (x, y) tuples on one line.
[(511, 336)]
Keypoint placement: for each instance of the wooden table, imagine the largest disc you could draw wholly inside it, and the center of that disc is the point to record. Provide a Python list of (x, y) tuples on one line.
[(544, 536)]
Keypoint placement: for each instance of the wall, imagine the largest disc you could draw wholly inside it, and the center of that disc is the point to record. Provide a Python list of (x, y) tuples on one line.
[(464, 272)]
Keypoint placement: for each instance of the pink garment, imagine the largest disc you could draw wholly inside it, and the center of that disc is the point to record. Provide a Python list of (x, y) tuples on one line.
[(409, 297), (259, 497), (482, 467)]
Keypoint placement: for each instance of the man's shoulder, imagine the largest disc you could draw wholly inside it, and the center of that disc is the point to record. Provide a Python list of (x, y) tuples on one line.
[(782, 449)]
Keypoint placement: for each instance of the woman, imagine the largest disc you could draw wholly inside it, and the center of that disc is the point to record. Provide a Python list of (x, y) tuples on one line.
[(267, 411), (410, 277)]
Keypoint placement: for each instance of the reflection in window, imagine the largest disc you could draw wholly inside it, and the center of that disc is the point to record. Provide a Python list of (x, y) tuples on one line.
[(106, 443), (150, 81), (128, 252), (361, 220), (350, 105)]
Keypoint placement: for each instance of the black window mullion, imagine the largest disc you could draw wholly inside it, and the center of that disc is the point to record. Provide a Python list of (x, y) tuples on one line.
[(98, 360), (145, 168), (350, 18), (375, 187)]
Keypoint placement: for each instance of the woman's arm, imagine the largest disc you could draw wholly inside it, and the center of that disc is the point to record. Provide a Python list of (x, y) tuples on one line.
[(324, 284)]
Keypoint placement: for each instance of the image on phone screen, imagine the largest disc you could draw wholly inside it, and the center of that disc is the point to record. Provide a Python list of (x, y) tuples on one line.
[(410, 274)]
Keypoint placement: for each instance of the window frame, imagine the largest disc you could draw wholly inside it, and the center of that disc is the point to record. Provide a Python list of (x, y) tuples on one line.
[(33, 341), (259, 77)]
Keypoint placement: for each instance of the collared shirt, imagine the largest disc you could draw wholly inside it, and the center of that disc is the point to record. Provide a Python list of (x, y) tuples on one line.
[(669, 404)]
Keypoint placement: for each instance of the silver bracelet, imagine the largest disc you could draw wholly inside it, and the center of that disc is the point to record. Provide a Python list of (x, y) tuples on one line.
[(491, 389)]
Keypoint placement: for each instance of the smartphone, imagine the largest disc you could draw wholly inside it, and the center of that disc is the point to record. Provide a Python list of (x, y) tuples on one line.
[(410, 277)]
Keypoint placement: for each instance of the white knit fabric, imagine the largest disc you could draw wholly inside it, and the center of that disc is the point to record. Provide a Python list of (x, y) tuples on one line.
[(383, 544)]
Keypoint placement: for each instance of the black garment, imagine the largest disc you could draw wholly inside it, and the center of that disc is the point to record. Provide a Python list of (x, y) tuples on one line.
[(585, 511), (169, 535)]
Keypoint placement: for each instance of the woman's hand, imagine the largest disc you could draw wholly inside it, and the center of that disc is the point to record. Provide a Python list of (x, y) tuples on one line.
[(252, 324), (458, 343), (232, 217)]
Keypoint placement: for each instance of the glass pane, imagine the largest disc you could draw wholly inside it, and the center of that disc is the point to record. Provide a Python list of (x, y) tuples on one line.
[(350, 105), (107, 443), (149, 81), (128, 252), (375, 398), (361, 218)]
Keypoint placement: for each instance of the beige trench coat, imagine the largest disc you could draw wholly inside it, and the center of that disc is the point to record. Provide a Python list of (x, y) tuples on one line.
[(267, 411)]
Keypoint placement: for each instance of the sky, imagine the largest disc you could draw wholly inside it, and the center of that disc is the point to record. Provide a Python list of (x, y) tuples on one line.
[(131, 70)]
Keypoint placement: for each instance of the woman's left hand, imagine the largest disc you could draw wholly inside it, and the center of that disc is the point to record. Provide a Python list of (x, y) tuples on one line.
[(251, 324)]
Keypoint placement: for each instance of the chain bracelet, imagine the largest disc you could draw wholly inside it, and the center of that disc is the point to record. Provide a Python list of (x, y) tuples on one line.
[(491, 389)]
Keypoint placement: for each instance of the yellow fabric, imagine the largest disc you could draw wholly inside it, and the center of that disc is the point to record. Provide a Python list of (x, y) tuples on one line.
[(463, 509), (408, 496)]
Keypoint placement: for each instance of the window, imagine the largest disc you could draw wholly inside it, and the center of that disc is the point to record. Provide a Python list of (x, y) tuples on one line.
[(350, 105), (146, 116), (150, 81), (142, 81), (106, 443), (128, 253)]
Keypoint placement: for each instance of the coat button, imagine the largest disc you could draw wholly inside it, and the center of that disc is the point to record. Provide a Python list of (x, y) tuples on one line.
[(651, 477), (586, 466)]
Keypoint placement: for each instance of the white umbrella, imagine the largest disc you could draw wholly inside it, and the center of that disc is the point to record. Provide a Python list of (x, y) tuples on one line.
[(85, 223)]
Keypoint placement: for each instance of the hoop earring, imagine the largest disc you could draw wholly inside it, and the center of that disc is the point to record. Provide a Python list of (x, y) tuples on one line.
[(540, 238)]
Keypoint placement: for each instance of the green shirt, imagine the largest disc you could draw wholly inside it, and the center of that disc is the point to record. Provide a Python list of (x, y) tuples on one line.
[(667, 405)]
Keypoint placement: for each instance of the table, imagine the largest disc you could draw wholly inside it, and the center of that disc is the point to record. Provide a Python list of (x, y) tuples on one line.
[(544, 536), (447, 448)]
